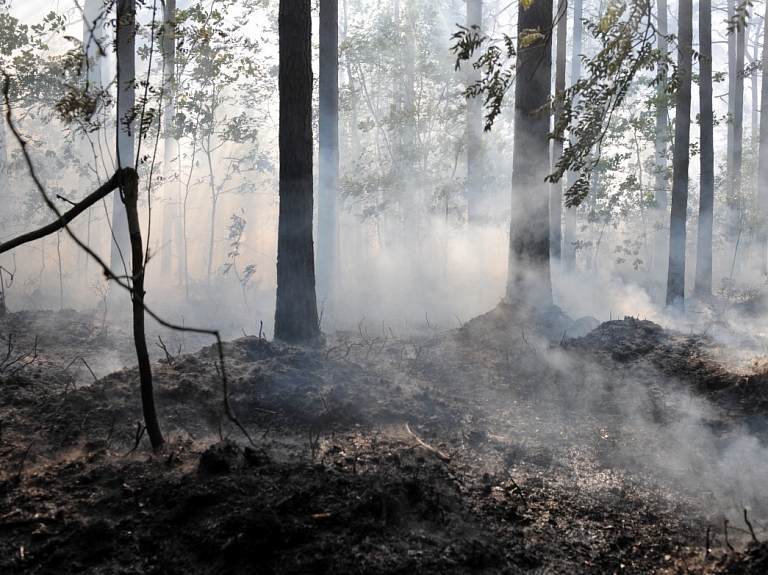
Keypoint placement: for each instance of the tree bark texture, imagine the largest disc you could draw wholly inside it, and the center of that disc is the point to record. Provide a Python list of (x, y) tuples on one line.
[(677, 232), (703, 281), (529, 285), (328, 161), (296, 308)]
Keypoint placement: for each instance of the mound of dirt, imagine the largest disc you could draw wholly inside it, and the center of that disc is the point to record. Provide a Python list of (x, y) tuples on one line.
[(487, 449)]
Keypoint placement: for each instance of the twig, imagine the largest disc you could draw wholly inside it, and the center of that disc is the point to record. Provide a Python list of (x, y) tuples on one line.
[(751, 531), (140, 429), (437, 453), (23, 460), (181, 422), (168, 356), (725, 528), (416, 360), (81, 358)]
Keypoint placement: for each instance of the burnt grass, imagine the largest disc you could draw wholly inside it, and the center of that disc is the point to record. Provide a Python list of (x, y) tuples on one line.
[(490, 448)]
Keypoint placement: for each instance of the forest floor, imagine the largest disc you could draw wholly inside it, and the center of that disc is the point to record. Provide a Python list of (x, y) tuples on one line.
[(491, 448)]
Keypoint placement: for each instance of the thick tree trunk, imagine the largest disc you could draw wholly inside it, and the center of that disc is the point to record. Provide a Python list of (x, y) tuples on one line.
[(703, 282), (677, 232), (296, 308), (126, 100), (529, 285), (328, 160), (474, 139), (556, 191), (762, 167)]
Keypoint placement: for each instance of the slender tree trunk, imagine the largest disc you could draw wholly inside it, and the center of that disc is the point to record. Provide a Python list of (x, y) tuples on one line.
[(762, 167), (529, 285), (474, 139), (556, 190), (703, 282), (328, 160), (738, 139), (661, 240), (126, 100), (755, 57), (214, 204), (296, 309), (129, 190), (171, 150), (677, 223), (569, 225)]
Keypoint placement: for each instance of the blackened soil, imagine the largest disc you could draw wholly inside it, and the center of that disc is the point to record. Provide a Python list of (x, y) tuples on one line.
[(486, 449)]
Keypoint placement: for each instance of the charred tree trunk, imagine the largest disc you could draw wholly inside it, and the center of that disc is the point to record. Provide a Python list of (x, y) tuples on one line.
[(703, 281), (296, 308), (529, 285), (677, 232), (129, 190)]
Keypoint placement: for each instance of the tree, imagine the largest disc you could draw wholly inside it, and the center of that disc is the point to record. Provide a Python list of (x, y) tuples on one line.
[(328, 160), (762, 166), (126, 101), (529, 284), (677, 232), (703, 280), (474, 125), (556, 193), (296, 309), (661, 243)]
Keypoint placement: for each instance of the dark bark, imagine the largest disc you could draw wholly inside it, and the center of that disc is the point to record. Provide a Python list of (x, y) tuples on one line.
[(474, 140), (529, 286), (328, 160), (296, 308), (762, 167), (126, 100), (703, 281), (129, 190), (556, 192), (681, 160)]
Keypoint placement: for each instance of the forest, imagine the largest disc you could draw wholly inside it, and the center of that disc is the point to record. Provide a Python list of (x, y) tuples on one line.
[(458, 286)]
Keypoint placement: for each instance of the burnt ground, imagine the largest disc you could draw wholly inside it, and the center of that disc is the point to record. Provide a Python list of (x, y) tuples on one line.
[(491, 448)]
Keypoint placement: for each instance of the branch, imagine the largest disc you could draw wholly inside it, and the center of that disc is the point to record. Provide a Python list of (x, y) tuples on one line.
[(66, 217)]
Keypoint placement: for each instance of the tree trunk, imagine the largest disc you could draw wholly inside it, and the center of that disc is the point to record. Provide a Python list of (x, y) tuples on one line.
[(569, 224), (661, 240), (129, 190), (738, 142), (677, 233), (328, 160), (126, 100), (556, 191), (296, 309), (529, 285), (171, 149), (474, 139), (762, 167), (703, 282)]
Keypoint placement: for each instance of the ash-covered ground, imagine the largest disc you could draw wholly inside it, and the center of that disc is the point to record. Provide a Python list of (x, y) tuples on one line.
[(491, 448)]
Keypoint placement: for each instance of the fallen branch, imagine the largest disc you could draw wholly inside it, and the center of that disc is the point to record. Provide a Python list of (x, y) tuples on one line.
[(437, 453)]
